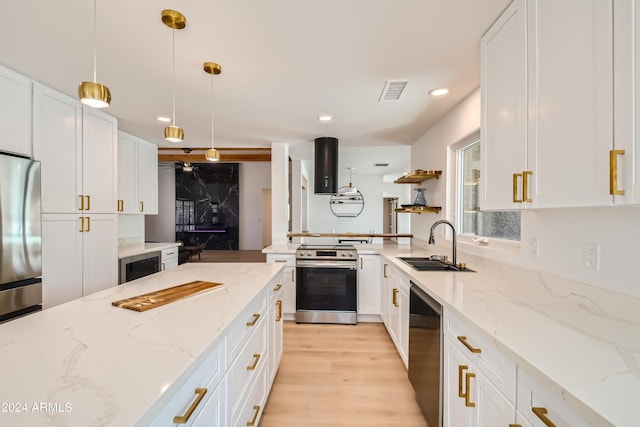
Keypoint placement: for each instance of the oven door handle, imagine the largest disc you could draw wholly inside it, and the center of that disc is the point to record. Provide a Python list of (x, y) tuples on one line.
[(326, 264)]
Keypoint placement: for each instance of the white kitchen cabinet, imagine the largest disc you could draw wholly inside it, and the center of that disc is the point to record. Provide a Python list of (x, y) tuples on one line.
[(539, 406), (520, 421), (137, 175), (397, 310), (504, 109), (288, 281), (169, 258), (547, 112), (79, 256), (276, 331), (77, 146), (15, 113), (471, 399), (369, 283)]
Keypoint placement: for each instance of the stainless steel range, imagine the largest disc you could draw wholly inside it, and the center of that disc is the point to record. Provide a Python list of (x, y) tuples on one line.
[(326, 284)]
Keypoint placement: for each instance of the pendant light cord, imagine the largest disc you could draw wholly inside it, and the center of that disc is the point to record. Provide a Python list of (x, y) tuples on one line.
[(95, 61), (173, 35), (212, 103)]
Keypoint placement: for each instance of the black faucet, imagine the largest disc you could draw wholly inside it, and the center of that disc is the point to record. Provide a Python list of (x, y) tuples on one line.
[(432, 239)]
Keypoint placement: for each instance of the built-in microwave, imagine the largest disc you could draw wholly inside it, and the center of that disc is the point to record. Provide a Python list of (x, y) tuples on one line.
[(137, 266)]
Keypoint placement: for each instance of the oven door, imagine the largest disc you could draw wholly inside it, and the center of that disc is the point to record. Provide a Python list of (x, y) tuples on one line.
[(326, 286)]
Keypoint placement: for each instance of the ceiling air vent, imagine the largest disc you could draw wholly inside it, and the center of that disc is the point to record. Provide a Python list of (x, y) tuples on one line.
[(381, 165), (392, 90)]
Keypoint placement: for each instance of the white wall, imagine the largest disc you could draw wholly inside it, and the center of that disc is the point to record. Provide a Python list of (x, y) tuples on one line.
[(560, 233), (254, 177)]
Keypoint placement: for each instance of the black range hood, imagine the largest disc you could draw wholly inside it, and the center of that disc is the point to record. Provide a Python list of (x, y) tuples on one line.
[(326, 166)]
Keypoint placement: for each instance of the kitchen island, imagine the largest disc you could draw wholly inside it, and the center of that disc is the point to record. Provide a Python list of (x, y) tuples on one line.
[(87, 362)]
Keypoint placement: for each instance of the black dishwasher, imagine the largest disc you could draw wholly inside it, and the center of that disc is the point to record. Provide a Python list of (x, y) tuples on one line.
[(425, 354)]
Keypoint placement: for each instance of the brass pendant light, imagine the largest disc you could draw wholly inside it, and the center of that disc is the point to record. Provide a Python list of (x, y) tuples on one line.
[(176, 21), (94, 94), (214, 69)]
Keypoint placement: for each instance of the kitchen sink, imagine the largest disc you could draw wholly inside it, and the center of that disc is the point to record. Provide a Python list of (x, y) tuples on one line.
[(428, 264)]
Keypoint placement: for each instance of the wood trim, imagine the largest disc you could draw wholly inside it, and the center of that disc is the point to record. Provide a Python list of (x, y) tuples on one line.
[(199, 158)]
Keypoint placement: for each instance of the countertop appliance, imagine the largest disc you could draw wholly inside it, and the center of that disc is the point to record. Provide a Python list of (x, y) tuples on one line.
[(20, 230), (425, 353), (326, 284), (137, 266)]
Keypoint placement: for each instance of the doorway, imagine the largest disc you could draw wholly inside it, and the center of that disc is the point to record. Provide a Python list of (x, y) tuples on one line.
[(389, 216)]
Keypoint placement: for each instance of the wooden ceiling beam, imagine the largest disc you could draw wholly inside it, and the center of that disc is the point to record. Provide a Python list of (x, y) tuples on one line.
[(229, 158)]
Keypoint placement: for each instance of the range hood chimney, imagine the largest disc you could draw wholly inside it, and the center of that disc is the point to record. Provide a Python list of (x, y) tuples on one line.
[(326, 166)]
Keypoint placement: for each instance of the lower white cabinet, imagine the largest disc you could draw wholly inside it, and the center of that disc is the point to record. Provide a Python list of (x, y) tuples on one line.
[(396, 309), (540, 407), (230, 384), (369, 283), (276, 330), (169, 258), (79, 256), (288, 281)]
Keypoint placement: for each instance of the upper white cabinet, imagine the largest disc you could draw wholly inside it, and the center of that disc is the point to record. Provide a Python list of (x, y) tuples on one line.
[(504, 112), (15, 113), (547, 116), (137, 175), (78, 149)]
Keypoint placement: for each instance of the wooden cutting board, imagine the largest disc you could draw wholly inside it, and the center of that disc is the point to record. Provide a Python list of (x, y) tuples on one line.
[(155, 299)]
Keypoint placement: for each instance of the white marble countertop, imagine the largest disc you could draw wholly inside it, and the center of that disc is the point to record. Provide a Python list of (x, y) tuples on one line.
[(98, 365), (143, 248), (580, 341)]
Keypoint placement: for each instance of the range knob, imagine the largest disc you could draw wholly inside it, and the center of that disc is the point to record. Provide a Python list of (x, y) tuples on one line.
[(309, 253), (344, 254)]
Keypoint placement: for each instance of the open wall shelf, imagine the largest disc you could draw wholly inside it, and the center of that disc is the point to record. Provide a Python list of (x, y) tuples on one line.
[(417, 176), (419, 209)]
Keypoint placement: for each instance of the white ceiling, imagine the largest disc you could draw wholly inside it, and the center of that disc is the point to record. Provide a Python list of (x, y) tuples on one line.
[(284, 62)]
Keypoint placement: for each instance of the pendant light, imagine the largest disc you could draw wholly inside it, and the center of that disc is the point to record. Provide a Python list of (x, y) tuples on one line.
[(214, 69), (348, 190), (94, 94), (176, 21)]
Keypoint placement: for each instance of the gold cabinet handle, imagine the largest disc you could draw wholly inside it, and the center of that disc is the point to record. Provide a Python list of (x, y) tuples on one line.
[(515, 188), (88, 224), (461, 369), (82, 224), (141, 206), (467, 383), (293, 277), (472, 349), (253, 365), (525, 186), (613, 172), (384, 270), (281, 260), (515, 425), (395, 297), (279, 316), (256, 411), (253, 320), (182, 419), (361, 263), (88, 202), (81, 202), (277, 288), (542, 414)]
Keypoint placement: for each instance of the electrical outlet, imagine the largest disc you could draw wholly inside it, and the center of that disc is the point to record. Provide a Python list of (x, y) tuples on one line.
[(590, 255), (533, 246)]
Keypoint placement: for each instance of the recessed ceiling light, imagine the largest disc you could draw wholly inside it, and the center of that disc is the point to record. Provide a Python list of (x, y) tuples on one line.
[(439, 91), (164, 119), (325, 117)]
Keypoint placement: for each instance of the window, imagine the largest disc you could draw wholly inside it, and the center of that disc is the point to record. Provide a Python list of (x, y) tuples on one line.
[(185, 215), (471, 220)]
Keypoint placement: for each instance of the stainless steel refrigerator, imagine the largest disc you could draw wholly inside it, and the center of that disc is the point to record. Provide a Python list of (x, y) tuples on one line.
[(20, 230)]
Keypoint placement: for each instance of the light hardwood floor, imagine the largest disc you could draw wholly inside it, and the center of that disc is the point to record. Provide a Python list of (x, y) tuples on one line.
[(340, 376)]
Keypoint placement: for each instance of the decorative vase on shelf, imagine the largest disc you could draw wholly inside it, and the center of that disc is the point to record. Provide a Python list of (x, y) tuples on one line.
[(420, 200)]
